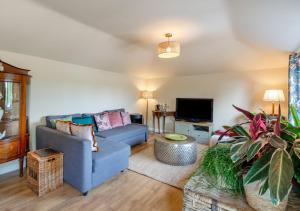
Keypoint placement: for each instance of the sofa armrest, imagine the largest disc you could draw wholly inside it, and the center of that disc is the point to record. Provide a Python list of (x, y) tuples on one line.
[(77, 155)]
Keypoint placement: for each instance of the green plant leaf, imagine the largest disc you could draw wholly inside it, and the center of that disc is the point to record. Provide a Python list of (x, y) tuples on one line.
[(264, 187), (241, 131), (289, 127), (254, 149), (218, 165), (288, 135), (281, 172), (239, 150), (259, 170), (277, 142), (296, 148), (295, 115)]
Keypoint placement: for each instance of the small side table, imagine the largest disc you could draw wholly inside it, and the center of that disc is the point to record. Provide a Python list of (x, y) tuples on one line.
[(137, 118), (44, 170), (175, 153), (163, 114)]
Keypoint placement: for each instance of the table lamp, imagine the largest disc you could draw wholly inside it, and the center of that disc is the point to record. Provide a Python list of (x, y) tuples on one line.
[(147, 95), (274, 95)]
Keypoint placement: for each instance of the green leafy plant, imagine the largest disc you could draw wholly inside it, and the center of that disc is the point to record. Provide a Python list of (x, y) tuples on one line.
[(269, 152), (220, 168)]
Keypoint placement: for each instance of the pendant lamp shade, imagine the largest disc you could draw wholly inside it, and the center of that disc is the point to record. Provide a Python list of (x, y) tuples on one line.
[(168, 49)]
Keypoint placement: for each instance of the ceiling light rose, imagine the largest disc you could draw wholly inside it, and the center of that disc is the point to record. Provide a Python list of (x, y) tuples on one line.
[(168, 49)]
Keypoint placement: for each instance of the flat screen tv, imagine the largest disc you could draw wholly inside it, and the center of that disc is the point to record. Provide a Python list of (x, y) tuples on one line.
[(194, 109)]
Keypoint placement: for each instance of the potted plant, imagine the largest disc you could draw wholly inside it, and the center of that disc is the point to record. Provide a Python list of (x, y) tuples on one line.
[(220, 169), (268, 154)]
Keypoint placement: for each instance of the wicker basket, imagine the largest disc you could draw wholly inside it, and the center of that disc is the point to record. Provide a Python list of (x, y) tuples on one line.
[(44, 170)]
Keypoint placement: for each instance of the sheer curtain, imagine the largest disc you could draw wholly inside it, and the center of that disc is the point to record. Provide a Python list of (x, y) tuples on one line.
[(294, 82)]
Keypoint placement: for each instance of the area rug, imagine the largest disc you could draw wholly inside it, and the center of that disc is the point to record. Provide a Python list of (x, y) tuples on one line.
[(144, 162)]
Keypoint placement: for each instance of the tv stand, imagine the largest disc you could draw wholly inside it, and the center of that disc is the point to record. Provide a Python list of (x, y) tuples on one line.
[(201, 131)]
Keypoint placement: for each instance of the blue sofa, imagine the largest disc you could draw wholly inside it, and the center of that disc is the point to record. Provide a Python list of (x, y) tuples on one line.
[(84, 169)]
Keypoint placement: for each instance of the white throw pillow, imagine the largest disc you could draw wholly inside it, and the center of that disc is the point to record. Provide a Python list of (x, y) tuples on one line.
[(86, 132)]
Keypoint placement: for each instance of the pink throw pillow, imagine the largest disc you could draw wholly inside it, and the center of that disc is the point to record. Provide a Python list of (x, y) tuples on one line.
[(115, 119), (126, 118), (102, 121)]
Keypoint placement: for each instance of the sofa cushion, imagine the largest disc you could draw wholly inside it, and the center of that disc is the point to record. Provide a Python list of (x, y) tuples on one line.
[(121, 133), (110, 153), (85, 120), (49, 118), (115, 119), (116, 110), (126, 118), (63, 126), (102, 121), (89, 114), (85, 132), (65, 119)]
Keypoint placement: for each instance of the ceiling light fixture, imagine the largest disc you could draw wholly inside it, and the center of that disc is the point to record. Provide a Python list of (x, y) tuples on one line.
[(168, 49)]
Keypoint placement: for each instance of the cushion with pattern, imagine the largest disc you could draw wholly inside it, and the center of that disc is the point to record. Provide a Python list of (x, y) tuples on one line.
[(102, 121), (126, 118), (85, 132), (115, 119)]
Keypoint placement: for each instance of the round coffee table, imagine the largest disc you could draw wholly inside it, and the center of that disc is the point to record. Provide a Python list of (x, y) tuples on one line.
[(176, 153)]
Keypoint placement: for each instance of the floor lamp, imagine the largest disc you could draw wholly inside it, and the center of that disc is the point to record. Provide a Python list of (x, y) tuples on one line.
[(147, 95)]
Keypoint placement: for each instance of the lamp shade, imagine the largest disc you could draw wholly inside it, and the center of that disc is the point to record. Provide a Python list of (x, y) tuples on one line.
[(168, 49), (274, 95), (147, 94)]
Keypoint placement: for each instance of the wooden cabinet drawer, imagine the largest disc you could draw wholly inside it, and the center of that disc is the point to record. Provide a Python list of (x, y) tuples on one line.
[(8, 149)]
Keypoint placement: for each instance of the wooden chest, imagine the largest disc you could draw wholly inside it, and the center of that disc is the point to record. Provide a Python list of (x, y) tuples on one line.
[(200, 195)]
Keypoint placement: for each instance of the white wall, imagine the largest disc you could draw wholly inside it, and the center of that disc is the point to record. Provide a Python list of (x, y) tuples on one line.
[(244, 89), (61, 88)]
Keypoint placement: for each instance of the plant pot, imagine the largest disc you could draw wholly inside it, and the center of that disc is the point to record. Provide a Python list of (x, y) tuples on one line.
[(261, 202)]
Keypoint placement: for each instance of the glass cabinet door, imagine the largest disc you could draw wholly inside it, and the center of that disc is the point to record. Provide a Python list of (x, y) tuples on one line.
[(9, 109)]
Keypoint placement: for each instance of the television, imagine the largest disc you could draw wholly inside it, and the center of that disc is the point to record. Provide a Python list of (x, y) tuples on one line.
[(194, 109)]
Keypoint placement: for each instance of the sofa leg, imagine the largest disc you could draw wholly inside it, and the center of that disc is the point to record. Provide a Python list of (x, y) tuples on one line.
[(85, 193)]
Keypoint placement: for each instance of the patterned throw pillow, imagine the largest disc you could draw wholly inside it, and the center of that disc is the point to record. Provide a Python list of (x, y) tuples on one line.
[(126, 118), (115, 119), (102, 121), (53, 121), (86, 132), (63, 126)]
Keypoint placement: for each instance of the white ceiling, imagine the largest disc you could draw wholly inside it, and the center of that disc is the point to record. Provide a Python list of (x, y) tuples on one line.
[(121, 35)]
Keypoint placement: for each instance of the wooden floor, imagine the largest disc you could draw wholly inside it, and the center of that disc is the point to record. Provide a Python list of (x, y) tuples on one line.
[(127, 191)]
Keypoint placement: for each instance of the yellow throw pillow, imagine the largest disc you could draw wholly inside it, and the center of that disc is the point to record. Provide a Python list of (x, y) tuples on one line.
[(86, 132), (63, 126)]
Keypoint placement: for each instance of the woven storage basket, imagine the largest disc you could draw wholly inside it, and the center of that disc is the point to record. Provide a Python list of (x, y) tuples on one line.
[(44, 170)]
